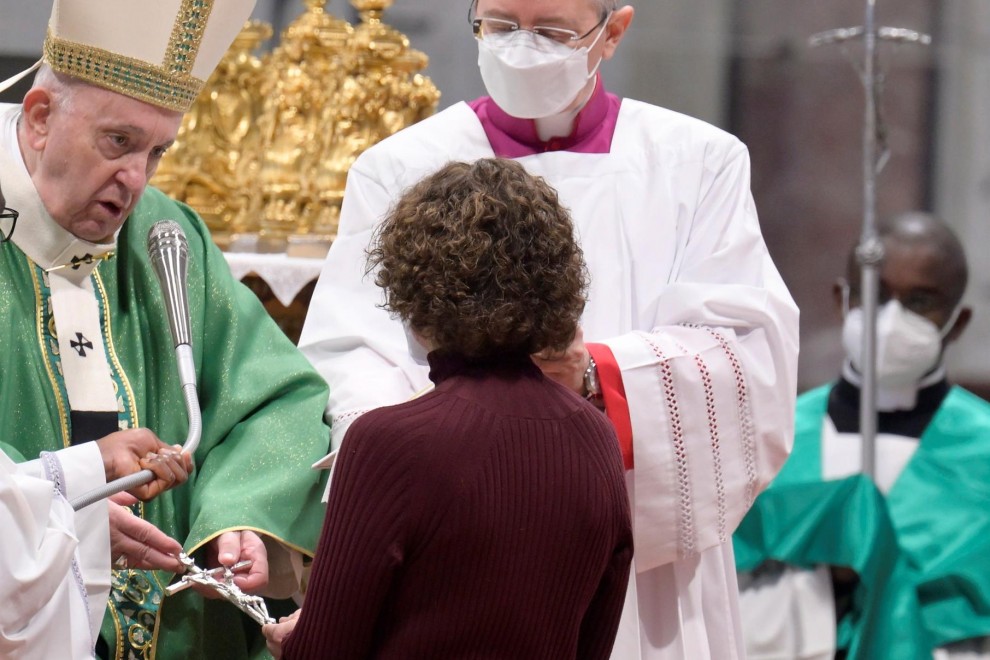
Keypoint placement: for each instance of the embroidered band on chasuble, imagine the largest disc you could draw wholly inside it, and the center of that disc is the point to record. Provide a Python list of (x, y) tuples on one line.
[(85, 364)]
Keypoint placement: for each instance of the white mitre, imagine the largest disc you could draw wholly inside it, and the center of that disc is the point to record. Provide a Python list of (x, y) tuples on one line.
[(157, 51)]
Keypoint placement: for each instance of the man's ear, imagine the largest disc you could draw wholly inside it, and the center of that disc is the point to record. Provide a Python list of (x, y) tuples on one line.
[(36, 117), (615, 30), (962, 321)]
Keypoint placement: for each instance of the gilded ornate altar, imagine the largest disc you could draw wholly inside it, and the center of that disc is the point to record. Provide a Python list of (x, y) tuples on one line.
[(264, 152)]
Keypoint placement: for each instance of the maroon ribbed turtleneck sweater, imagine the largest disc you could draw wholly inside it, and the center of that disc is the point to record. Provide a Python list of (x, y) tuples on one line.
[(487, 519)]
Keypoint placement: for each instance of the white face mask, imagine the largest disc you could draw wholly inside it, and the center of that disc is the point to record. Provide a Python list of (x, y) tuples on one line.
[(532, 77), (417, 351), (908, 345)]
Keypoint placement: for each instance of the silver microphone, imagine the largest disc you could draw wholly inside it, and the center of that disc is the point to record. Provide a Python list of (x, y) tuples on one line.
[(169, 254)]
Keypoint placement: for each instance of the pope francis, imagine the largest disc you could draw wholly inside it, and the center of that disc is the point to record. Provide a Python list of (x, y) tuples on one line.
[(89, 350)]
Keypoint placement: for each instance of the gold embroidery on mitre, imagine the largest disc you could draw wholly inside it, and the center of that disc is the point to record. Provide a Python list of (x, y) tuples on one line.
[(125, 75), (170, 84), (187, 35)]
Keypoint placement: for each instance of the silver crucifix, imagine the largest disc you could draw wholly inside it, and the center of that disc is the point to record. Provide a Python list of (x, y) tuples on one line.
[(253, 606), (869, 252)]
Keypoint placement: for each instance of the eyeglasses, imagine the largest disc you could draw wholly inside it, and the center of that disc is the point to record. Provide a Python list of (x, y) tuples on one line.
[(8, 219), (921, 302), (484, 26)]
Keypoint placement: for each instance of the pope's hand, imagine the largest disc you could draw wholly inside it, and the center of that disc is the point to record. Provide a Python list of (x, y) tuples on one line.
[(232, 547), (136, 543), (568, 366), (133, 450), (275, 633)]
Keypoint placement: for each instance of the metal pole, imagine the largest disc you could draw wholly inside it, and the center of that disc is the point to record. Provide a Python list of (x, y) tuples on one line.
[(870, 251)]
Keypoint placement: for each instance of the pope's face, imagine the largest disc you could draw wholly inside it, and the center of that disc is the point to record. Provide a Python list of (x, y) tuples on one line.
[(95, 155)]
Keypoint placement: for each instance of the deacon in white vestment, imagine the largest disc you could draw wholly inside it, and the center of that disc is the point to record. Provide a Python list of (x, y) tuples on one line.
[(696, 335), (54, 562), (46, 595)]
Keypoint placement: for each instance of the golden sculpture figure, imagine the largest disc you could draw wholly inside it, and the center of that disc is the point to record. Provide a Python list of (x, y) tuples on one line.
[(381, 93), (215, 152), (306, 71)]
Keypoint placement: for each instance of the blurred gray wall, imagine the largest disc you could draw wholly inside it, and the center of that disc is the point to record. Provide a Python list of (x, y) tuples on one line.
[(962, 165)]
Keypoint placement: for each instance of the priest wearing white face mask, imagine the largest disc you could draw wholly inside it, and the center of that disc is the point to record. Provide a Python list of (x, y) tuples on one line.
[(932, 466), (692, 335)]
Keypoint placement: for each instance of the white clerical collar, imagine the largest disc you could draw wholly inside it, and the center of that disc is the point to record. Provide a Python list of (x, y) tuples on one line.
[(42, 239), (842, 455), (561, 125), (891, 399), (10, 136)]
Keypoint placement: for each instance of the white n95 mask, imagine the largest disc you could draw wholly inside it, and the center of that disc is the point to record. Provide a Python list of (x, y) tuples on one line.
[(532, 77), (908, 345), (417, 351)]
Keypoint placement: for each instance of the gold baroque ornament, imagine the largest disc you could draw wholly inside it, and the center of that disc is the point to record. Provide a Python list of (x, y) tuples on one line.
[(306, 71), (264, 152), (214, 159)]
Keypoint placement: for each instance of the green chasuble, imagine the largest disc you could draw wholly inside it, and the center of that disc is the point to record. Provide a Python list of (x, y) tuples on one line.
[(262, 419), (925, 546)]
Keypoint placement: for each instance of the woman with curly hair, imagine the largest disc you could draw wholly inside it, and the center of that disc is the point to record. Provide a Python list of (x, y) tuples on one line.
[(487, 518)]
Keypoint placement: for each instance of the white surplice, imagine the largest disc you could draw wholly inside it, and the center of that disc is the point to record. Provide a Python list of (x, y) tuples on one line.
[(54, 563), (788, 613), (684, 293)]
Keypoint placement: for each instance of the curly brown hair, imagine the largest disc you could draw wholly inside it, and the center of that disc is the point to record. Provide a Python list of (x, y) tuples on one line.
[(480, 258)]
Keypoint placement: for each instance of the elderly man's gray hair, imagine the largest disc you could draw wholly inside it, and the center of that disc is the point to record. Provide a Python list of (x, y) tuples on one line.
[(605, 6), (61, 86)]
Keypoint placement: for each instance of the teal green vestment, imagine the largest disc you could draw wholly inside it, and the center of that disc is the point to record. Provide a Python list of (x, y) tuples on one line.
[(262, 409), (922, 553)]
